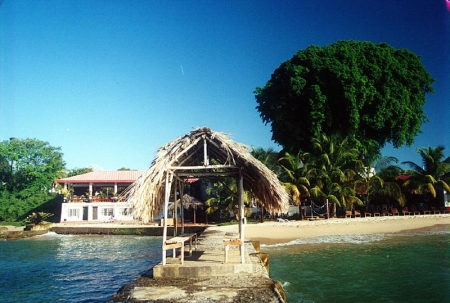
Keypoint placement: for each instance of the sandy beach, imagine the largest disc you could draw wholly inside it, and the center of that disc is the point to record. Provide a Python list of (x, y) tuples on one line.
[(271, 232), (281, 232)]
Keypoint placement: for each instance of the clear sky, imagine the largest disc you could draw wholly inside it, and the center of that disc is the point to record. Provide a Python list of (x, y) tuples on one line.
[(111, 81)]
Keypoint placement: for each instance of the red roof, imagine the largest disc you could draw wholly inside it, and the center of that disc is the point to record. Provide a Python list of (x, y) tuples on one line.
[(103, 176)]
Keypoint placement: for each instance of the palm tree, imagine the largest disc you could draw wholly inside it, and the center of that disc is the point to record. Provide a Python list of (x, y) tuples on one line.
[(433, 173), (223, 198), (267, 156), (377, 179), (293, 178), (332, 168)]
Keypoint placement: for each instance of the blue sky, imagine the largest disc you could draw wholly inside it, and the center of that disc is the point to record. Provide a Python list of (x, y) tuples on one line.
[(111, 81)]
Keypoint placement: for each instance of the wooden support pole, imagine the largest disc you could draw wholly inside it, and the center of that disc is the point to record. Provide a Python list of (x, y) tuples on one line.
[(182, 206), (205, 152), (175, 210), (166, 206), (241, 215)]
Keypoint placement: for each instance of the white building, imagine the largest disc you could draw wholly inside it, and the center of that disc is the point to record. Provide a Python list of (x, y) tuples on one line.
[(93, 196)]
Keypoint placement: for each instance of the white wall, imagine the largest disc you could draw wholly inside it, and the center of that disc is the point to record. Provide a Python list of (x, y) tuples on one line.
[(73, 212)]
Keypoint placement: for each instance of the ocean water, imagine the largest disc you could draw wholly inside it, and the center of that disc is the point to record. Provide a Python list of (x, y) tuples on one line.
[(56, 268), (409, 267)]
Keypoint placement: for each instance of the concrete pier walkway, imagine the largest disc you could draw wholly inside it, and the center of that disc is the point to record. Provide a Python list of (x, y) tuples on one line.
[(204, 277)]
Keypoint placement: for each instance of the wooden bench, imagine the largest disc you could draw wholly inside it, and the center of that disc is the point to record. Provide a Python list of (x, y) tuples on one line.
[(179, 242), (232, 239)]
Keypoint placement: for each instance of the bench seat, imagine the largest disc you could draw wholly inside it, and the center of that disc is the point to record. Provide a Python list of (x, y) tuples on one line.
[(179, 242)]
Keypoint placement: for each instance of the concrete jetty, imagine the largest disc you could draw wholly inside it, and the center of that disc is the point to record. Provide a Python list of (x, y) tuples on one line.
[(205, 277)]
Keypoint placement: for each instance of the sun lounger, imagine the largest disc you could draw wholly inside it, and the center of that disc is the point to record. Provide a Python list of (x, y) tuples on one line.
[(348, 214), (385, 212), (405, 211), (357, 214), (414, 211), (394, 211), (426, 211), (434, 210), (444, 210), (367, 213), (375, 213)]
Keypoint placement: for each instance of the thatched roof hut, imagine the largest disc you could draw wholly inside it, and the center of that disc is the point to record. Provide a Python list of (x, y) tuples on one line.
[(190, 156)]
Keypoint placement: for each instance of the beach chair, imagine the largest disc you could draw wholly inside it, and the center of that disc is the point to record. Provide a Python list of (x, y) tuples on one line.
[(375, 213), (435, 211), (414, 211), (348, 214), (405, 211), (444, 210), (426, 211), (357, 214), (385, 212), (367, 213), (394, 211)]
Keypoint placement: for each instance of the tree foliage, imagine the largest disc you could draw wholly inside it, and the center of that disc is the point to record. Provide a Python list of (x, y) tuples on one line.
[(370, 92), (433, 172), (79, 171), (332, 170), (28, 169), (377, 181), (267, 156)]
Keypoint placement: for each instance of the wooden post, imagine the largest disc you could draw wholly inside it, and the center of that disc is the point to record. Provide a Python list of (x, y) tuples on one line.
[(241, 214), (205, 152), (175, 210), (182, 206), (166, 206)]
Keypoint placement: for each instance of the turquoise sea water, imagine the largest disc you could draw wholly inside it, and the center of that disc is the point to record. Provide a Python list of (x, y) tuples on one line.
[(410, 267), (55, 268)]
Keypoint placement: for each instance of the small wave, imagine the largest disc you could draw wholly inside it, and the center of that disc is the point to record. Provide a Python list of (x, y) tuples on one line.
[(335, 239), (285, 284), (52, 234)]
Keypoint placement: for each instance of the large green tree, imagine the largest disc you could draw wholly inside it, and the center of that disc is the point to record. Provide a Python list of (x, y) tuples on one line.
[(28, 169), (371, 93)]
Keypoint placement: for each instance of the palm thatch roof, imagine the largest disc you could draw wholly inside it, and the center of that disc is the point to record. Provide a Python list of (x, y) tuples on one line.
[(189, 201), (203, 153)]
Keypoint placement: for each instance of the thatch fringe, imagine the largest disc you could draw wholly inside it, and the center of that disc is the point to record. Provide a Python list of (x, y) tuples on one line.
[(146, 195)]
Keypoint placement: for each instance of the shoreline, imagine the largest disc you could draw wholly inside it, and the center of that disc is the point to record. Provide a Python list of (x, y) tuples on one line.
[(270, 233)]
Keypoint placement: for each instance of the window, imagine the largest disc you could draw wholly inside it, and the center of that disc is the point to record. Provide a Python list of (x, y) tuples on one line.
[(125, 211), (73, 212), (107, 212)]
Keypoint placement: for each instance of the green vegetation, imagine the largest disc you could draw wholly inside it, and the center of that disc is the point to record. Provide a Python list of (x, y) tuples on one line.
[(331, 108), (434, 173), (332, 167), (350, 88), (79, 171), (28, 169)]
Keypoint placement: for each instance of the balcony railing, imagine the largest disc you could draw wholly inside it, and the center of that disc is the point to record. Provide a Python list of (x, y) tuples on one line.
[(85, 199)]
